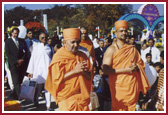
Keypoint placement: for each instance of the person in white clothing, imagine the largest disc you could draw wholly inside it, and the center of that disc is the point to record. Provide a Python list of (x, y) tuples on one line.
[(163, 39), (153, 50), (144, 46), (38, 68), (145, 35)]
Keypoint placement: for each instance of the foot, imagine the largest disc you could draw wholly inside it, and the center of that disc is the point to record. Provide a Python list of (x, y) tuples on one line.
[(50, 109)]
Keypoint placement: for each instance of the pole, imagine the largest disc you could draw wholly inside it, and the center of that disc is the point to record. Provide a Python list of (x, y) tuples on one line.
[(57, 30), (132, 30), (45, 22), (112, 32), (98, 32)]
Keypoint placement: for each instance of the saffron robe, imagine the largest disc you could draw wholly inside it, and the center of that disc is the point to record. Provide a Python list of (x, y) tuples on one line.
[(72, 94), (88, 44), (125, 87)]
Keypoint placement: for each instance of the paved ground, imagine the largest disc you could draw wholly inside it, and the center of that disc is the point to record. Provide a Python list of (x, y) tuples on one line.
[(29, 106)]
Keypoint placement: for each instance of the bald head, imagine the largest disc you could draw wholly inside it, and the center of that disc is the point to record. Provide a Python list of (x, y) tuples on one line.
[(43, 38), (84, 34)]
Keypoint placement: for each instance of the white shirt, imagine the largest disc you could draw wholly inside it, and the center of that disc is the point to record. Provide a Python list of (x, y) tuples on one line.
[(39, 62), (16, 42), (34, 43), (155, 54), (142, 51)]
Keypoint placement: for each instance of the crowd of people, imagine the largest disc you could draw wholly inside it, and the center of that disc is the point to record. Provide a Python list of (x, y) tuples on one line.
[(71, 66)]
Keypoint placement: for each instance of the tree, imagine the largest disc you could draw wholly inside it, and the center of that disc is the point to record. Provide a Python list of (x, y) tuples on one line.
[(72, 15), (16, 15)]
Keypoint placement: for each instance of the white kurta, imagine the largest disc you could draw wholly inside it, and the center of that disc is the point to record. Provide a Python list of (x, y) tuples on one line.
[(155, 54), (39, 62), (34, 43)]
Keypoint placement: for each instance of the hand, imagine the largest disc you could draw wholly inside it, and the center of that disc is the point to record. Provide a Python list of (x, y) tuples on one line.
[(81, 67), (30, 75), (144, 106), (20, 61), (84, 66), (133, 67)]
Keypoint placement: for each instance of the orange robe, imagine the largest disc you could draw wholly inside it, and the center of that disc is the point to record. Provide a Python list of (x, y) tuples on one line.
[(88, 44), (72, 94), (125, 87)]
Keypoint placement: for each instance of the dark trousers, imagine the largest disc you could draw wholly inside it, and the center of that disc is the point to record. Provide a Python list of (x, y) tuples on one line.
[(17, 78), (104, 95)]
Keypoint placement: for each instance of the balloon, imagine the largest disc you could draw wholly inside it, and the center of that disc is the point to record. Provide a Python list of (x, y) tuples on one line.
[(151, 74)]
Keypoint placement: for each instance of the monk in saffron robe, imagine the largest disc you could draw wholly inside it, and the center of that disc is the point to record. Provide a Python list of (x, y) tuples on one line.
[(87, 43), (123, 64), (69, 77)]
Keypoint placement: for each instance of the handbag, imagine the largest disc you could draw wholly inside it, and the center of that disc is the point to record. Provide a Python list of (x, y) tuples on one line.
[(28, 89), (94, 102)]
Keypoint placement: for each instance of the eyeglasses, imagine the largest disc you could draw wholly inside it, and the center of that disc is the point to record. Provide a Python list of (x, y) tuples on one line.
[(122, 31), (43, 37), (75, 42)]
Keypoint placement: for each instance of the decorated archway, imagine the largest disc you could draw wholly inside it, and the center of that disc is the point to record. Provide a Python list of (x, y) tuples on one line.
[(132, 16), (157, 21), (148, 14)]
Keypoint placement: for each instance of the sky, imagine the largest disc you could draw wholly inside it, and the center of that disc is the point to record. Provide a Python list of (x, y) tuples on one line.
[(48, 6)]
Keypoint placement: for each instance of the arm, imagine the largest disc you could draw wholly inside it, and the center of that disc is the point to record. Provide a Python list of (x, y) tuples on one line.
[(110, 71), (80, 68), (67, 75), (87, 75), (24, 53), (107, 63), (12, 60)]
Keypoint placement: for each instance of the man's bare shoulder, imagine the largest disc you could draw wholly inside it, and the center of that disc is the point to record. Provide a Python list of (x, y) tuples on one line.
[(111, 49), (108, 56)]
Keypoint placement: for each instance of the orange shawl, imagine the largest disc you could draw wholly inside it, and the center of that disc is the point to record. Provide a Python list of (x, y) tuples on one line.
[(125, 87), (72, 94), (88, 44)]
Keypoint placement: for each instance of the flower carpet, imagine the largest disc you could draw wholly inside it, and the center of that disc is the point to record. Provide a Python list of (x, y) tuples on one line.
[(12, 105)]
